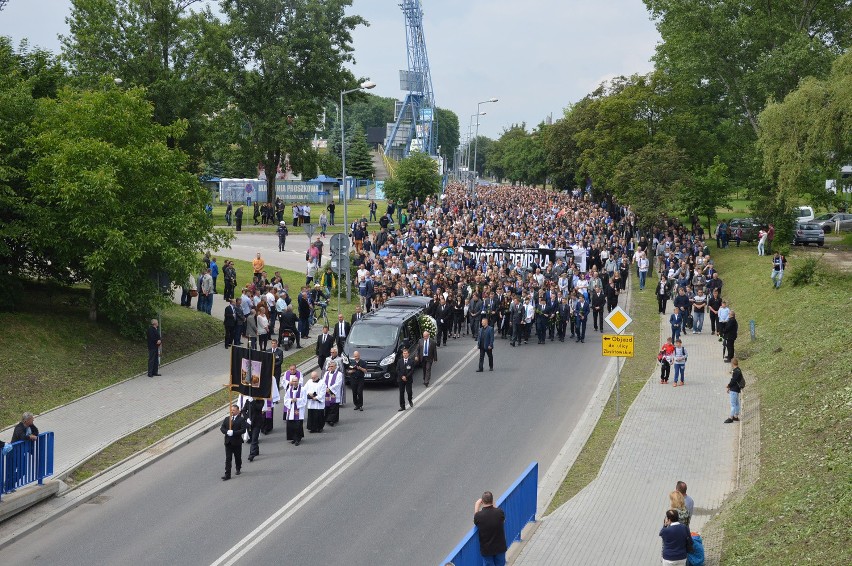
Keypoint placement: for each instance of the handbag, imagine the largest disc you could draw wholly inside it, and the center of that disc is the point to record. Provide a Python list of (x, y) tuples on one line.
[(246, 436), (193, 293)]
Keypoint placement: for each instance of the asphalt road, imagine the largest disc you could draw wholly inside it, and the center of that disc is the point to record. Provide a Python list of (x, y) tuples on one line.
[(404, 497), (246, 245)]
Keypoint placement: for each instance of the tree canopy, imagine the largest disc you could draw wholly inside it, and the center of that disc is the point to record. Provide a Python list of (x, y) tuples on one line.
[(416, 177)]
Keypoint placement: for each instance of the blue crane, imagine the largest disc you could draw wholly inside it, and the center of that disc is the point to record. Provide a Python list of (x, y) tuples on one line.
[(415, 126)]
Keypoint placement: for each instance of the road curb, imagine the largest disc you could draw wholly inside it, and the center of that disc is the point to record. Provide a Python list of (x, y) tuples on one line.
[(24, 523)]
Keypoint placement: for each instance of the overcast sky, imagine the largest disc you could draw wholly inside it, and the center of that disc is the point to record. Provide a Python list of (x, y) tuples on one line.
[(535, 56)]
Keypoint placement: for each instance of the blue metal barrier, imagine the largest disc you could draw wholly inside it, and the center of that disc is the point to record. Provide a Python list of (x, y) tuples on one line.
[(28, 462), (518, 504)]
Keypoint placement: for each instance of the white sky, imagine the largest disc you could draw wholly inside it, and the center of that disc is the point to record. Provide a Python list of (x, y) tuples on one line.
[(535, 56)]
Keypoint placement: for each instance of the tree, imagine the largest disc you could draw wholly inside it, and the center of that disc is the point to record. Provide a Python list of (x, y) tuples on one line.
[(708, 191), (156, 44), (28, 76), (117, 205), (448, 134), (289, 60), (649, 179), (805, 139), (416, 177), (359, 160), (483, 146)]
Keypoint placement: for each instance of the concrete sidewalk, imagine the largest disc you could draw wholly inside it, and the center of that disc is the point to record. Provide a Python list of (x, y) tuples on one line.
[(668, 434), (86, 426)]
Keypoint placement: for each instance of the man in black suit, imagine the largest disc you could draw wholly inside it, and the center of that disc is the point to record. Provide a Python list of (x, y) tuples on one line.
[(304, 313), (341, 331), (357, 370), (233, 428), (485, 342), (444, 318), (426, 353), (278, 361), (517, 312), (405, 378), (230, 322), (324, 345), (474, 312), (356, 316), (598, 304), (154, 342)]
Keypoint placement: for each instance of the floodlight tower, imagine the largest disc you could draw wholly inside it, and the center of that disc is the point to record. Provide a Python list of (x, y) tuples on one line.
[(415, 123), (3, 4)]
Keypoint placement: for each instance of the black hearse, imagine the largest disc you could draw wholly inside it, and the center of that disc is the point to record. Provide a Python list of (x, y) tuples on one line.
[(381, 336)]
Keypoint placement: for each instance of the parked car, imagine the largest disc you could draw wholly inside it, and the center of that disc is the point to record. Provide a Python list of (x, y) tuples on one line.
[(381, 336), (808, 233), (750, 227), (803, 213), (829, 221)]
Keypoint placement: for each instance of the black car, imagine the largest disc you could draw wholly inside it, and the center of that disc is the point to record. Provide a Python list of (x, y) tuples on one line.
[(381, 336)]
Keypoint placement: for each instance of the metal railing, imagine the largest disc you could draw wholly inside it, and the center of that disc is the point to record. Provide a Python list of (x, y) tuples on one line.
[(29, 461), (518, 504)]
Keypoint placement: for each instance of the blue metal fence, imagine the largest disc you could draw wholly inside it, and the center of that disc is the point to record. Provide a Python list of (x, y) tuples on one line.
[(28, 462), (518, 504)]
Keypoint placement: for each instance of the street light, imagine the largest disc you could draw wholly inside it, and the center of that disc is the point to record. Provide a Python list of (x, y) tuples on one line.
[(476, 139), (366, 85), (470, 133)]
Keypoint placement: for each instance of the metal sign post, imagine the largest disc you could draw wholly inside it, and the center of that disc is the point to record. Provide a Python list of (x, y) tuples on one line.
[(618, 345)]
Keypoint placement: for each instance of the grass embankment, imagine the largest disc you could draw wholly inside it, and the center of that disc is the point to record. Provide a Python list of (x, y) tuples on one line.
[(800, 507), (634, 374), (53, 354), (146, 437), (356, 208)]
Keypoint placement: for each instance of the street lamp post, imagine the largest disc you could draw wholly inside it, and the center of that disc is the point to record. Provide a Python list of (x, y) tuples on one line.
[(366, 85), (476, 139), (470, 134)]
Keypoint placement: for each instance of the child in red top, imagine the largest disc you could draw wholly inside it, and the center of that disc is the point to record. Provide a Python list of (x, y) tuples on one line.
[(665, 359)]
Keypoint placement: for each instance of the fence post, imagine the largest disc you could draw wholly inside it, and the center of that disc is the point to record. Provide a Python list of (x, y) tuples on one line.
[(40, 456)]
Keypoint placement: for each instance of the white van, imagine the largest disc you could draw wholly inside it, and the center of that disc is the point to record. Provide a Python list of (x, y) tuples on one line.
[(803, 213)]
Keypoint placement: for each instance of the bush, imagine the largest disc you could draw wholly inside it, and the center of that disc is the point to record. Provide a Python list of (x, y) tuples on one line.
[(808, 272)]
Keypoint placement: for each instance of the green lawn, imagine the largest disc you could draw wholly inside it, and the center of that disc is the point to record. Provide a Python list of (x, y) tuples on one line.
[(634, 374), (54, 354), (356, 208), (799, 509)]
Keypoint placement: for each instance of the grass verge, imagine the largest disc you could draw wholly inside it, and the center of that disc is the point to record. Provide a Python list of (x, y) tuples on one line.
[(153, 433), (54, 354), (634, 374), (798, 510)]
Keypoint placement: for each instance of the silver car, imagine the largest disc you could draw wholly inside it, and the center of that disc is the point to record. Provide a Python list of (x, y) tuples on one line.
[(808, 233), (828, 222)]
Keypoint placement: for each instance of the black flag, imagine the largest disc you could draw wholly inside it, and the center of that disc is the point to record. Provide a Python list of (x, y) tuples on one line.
[(251, 372)]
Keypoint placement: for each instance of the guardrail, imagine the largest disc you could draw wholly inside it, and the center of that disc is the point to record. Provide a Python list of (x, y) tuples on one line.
[(28, 462), (518, 503)]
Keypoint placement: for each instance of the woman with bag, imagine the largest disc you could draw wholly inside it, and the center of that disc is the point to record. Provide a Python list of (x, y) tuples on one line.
[(262, 327)]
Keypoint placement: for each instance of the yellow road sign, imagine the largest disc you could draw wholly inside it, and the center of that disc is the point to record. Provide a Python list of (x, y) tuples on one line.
[(618, 319), (617, 345)]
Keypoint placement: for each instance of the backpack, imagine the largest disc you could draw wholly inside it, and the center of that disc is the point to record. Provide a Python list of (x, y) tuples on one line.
[(741, 382), (695, 556), (688, 322)]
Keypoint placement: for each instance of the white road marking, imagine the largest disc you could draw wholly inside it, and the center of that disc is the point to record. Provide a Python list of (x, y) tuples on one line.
[(291, 507)]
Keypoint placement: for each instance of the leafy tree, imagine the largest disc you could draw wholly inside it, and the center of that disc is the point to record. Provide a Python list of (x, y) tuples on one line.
[(28, 75), (289, 60), (359, 160), (650, 178), (805, 139), (156, 44), (416, 176), (708, 190), (116, 203), (448, 133), (330, 164), (483, 146)]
